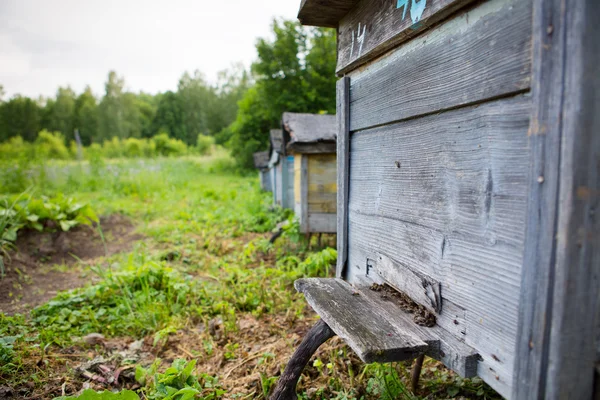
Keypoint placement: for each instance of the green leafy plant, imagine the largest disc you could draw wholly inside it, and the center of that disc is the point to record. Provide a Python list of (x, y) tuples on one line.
[(177, 382), (37, 213), (9, 225)]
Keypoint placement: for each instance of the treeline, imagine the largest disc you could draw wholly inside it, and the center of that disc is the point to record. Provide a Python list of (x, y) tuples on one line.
[(294, 71), (195, 108)]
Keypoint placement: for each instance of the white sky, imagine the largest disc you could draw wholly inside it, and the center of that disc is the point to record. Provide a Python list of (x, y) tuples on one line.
[(45, 44)]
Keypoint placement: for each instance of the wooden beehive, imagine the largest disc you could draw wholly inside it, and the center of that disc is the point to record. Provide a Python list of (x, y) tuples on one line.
[(310, 140), (261, 162), (468, 155), (281, 167)]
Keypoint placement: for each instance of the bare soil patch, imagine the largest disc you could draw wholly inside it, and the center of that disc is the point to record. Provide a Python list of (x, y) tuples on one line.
[(45, 263)]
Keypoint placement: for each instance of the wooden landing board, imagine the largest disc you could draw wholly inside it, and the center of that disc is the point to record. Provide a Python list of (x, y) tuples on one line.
[(378, 330)]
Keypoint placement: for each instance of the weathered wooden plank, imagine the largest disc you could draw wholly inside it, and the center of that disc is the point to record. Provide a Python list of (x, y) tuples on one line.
[(313, 148), (324, 13), (488, 329), (479, 55), (573, 330), (442, 344), (304, 225), (322, 183), (355, 319), (461, 171), (421, 288), (556, 349), (322, 222), (445, 195), (343, 153), (533, 334), (372, 28), (287, 182)]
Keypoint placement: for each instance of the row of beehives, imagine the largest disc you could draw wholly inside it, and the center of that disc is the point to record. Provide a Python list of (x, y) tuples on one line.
[(300, 169)]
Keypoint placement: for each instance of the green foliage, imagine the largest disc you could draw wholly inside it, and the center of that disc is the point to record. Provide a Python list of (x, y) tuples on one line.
[(165, 146), (137, 300), (20, 116), (50, 145), (23, 211), (178, 382), (204, 144), (37, 213), (195, 107), (9, 226), (294, 72)]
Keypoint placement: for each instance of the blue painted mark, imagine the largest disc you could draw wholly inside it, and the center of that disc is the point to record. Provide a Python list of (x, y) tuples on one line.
[(416, 8), (402, 3)]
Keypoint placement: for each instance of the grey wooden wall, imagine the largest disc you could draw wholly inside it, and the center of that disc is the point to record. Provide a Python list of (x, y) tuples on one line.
[(438, 172)]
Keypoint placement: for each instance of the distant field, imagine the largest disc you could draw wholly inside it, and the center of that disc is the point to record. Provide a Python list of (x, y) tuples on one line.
[(178, 271)]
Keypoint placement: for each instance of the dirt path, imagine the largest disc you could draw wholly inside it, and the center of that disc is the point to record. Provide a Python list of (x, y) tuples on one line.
[(46, 263)]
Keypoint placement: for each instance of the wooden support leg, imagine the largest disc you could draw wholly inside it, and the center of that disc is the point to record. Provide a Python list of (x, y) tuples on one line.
[(286, 386), (416, 373), (319, 241)]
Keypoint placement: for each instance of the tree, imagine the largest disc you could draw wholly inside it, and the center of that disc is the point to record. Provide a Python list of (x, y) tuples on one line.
[(86, 116), (20, 116), (110, 115), (294, 72), (279, 69), (249, 132), (169, 117), (2, 93), (61, 112), (319, 84), (146, 105), (231, 86)]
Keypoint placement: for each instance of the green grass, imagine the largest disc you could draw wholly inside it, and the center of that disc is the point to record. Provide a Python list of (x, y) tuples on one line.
[(205, 256)]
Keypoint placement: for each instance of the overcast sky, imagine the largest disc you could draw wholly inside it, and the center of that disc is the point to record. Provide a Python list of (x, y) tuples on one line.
[(45, 44)]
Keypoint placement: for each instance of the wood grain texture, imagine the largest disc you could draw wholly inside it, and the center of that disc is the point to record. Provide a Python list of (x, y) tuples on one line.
[(540, 242), (383, 26), (324, 13), (373, 337), (322, 183), (443, 346), (481, 54), (421, 288), (343, 153), (341, 303), (322, 222), (577, 287), (445, 195), (304, 195), (556, 352), (287, 182)]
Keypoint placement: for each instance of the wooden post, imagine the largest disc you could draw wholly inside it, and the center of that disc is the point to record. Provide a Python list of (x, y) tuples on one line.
[(556, 342), (343, 158), (415, 374), (79, 145), (286, 386)]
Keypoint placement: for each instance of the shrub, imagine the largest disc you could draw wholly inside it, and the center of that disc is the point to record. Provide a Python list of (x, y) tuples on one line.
[(14, 148), (112, 148), (204, 144), (50, 145), (165, 146)]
